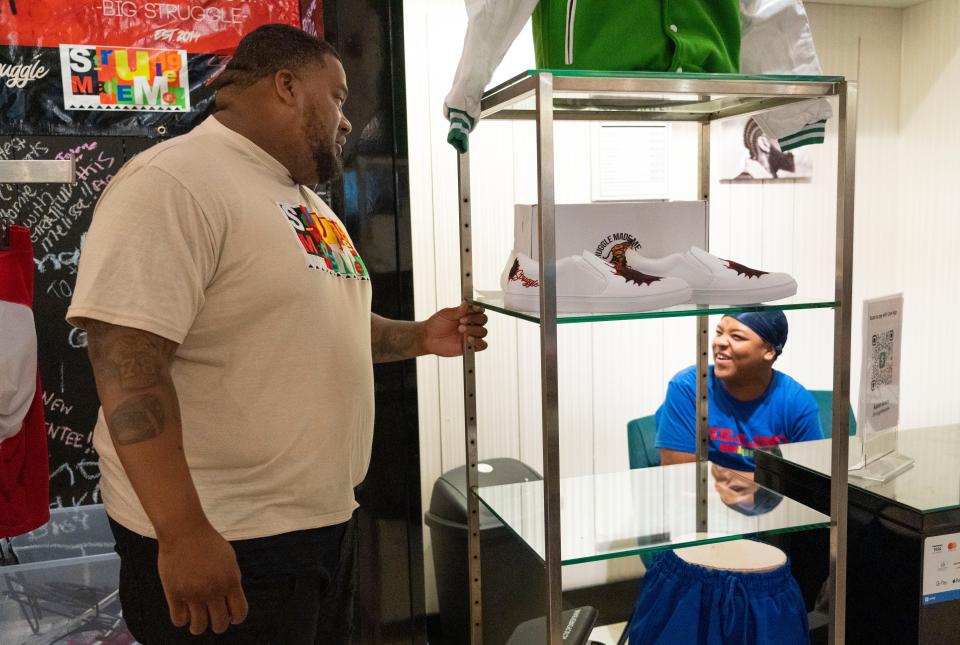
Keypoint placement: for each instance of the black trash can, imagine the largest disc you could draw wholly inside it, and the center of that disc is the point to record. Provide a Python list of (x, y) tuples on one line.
[(513, 577)]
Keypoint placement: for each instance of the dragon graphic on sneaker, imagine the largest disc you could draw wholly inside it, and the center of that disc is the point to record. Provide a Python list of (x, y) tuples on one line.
[(745, 270), (618, 260), (634, 276), (715, 281), (586, 284)]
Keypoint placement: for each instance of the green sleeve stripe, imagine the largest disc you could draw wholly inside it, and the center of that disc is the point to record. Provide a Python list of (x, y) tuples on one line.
[(800, 143), (470, 121), (457, 120), (802, 133)]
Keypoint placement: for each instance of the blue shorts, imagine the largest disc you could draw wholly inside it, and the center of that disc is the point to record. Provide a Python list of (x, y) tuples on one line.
[(689, 604)]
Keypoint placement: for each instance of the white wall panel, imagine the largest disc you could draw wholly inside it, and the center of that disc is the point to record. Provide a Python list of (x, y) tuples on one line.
[(421, 201), (863, 45), (928, 230)]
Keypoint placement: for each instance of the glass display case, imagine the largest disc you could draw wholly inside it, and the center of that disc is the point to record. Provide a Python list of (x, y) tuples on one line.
[(566, 521)]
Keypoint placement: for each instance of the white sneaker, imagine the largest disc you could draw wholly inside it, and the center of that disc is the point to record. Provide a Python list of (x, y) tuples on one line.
[(587, 284), (716, 281)]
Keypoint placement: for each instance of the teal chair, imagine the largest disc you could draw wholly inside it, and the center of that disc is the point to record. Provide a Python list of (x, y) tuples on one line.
[(642, 442), (642, 432), (824, 399)]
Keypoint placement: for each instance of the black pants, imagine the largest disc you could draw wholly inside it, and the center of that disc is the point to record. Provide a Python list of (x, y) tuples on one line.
[(299, 587)]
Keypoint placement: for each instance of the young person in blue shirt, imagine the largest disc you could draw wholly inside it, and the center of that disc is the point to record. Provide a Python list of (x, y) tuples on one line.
[(751, 405)]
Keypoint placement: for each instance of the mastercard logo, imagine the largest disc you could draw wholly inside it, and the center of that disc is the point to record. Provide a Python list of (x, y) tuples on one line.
[(952, 546)]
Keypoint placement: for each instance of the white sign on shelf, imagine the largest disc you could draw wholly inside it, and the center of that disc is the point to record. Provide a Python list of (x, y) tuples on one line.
[(880, 373), (879, 416), (630, 161)]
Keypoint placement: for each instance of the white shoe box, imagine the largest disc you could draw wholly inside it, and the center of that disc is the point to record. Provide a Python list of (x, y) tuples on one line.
[(660, 228)]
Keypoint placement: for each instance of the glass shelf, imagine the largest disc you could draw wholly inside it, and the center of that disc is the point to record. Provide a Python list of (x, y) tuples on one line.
[(583, 94), (931, 485), (493, 300), (648, 509)]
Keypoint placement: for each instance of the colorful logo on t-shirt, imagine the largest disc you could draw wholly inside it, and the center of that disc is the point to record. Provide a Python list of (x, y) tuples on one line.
[(740, 444), (326, 246)]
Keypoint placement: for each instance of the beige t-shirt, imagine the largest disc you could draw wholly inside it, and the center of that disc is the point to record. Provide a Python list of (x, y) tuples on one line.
[(207, 241)]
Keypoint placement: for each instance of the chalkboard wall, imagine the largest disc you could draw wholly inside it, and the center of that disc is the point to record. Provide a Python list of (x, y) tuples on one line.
[(59, 216)]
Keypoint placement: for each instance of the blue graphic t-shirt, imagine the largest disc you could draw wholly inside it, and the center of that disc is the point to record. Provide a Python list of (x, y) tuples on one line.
[(785, 413)]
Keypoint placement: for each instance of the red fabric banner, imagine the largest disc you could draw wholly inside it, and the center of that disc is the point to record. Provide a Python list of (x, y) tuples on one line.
[(198, 26)]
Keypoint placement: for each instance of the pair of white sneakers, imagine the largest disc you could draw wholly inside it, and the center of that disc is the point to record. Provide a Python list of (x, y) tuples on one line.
[(587, 284)]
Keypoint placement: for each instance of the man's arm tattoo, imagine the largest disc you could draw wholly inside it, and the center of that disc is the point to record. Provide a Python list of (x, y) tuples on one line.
[(132, 372), (393, 340), (137, 419), (140, 361)]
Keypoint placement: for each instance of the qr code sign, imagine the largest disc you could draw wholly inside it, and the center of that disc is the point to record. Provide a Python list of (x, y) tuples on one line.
[(881, 364)]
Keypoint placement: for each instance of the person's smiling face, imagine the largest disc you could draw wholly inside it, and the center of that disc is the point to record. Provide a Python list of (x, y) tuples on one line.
[(738, 352)]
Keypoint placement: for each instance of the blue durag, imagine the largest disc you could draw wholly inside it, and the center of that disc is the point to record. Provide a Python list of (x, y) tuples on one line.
[(770, 325)]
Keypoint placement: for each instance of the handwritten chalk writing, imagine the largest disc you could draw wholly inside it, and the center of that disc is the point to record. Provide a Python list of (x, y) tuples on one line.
[(58, 261), (103, 162), (78, 501), (77, 338), (9, 148), (55, 233), (50, 214), (58, 215), (16, 200), (66, 469), (15, 144), (88, 471), (20, 74), (37, 150), (60, 289), (57, 200), (55, 403), (65, 435), (77, 152)]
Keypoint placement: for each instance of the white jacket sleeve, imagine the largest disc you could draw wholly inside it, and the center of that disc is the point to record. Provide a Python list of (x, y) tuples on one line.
[(492, 27), (18, 366), (775, 38)]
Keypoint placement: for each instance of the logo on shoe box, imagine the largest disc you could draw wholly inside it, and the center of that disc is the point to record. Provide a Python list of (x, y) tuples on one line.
[(616, 247)]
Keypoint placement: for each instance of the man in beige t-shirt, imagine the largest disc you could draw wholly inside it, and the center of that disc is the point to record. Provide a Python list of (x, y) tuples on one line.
[(229, 326)]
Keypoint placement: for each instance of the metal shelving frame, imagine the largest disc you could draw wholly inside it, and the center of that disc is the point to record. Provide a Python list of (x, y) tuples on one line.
[(613, 96)]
